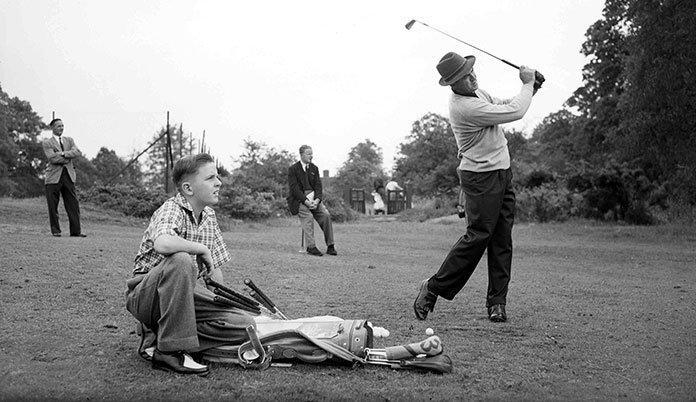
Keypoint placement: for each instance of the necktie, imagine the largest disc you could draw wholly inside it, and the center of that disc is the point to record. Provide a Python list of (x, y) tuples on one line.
[(61, 144)]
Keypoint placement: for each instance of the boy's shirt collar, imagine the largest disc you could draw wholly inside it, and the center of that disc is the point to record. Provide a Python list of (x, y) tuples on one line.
[(181, 201)]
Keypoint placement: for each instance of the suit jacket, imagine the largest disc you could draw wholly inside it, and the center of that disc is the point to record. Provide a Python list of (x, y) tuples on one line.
[(298, 182), (56, 162)]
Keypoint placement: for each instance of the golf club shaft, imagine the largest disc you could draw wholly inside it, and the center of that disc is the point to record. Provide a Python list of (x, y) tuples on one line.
[(268, 307), (263, 296), (410, 24)]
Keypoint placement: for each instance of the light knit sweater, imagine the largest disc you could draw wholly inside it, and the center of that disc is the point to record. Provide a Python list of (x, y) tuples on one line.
[(481, 143)]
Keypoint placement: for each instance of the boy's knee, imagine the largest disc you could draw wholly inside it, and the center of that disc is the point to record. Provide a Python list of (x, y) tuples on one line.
[(180, 263)]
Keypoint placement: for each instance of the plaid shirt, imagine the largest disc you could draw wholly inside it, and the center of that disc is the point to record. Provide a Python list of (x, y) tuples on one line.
[(175, 217)]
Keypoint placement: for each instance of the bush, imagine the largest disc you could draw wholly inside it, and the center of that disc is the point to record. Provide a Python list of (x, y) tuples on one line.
[(537, 178), (430, 208), (616, 191), (239, 202), (340, 212), (545, 203), (127, 199)]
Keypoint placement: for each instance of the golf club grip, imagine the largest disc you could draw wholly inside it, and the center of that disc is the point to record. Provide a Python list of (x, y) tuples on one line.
[(258, 291), (212, 283), (261, 300), (232, 303), (430, 347), (254, 307), (510, 64)]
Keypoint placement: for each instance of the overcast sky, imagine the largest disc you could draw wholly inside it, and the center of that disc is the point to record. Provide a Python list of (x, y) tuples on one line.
[(325, 73)]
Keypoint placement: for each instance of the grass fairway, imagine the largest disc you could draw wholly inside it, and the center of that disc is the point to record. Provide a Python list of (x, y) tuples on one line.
[(596, 312)]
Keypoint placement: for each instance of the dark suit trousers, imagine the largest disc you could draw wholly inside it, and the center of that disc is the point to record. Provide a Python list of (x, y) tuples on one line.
[(66, 188), (490, 212)]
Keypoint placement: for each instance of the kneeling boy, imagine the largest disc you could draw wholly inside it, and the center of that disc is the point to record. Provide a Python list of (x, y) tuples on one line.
[(166, 294)]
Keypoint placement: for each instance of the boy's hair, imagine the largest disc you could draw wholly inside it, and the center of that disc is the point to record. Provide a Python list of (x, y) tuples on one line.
[(54, 120), (188, 165)]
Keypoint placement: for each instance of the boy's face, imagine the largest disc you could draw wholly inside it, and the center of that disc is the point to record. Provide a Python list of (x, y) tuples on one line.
[(204, 186)]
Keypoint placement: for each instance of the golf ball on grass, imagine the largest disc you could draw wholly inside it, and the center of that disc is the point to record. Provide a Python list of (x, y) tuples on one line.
[(429, 331)]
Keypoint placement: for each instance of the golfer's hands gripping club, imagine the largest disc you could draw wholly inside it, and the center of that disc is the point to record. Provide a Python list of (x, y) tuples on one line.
[(528, 75), (538, 80)]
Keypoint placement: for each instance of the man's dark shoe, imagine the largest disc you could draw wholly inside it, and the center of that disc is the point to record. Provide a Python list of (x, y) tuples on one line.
[(425, 301), (78, 235), (314, 251), (496, 313), (177, 362), (331, 250)]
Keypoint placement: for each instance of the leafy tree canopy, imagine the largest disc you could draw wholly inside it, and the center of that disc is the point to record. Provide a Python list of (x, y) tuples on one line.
[(22, 161), (427, 161), (363, 166)]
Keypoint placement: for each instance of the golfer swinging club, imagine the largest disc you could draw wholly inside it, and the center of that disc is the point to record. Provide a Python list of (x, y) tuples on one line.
[(486, 179)]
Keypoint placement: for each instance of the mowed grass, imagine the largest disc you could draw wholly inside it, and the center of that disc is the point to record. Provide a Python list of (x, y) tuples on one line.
[(596, 312)]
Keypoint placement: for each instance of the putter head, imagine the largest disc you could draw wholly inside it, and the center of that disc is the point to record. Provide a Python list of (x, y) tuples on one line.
[(410, 24)]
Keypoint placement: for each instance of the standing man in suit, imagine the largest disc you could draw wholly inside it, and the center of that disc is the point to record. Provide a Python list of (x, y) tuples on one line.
[(305, 200), (60, 179)]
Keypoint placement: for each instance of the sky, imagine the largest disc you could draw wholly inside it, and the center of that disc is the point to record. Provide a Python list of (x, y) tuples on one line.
[(285, 73)]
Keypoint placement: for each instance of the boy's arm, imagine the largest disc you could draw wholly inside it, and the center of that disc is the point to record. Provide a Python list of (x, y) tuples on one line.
[(166, 244)]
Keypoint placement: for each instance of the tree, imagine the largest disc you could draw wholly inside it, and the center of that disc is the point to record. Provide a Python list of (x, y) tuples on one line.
[(180, 145), (363, 166), (22, 160), (87, 175), (110, 169), (257, 188), (263, 169), (604, 83), (428, 160), (8, 152), (555, 140), (661, 96)]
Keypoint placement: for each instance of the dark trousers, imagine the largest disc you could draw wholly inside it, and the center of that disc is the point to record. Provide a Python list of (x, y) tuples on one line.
[(66, 188), (490, 213)]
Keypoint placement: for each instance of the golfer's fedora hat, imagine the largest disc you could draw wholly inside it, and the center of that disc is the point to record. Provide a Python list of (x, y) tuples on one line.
[(453, 67)]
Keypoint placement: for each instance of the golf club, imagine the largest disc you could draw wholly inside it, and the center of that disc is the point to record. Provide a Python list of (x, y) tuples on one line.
[(539, 78)]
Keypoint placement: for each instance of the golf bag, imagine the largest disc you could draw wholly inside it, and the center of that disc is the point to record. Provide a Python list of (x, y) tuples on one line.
[(327, 340), (310, 340)]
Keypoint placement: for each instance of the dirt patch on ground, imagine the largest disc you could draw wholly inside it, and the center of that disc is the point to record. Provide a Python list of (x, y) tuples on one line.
[(597, 312)]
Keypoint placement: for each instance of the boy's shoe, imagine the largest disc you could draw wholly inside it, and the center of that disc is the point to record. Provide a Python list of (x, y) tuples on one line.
[(177, 362)]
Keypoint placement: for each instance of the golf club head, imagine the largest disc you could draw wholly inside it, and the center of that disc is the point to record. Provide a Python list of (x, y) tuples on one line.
[(410, 24)]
